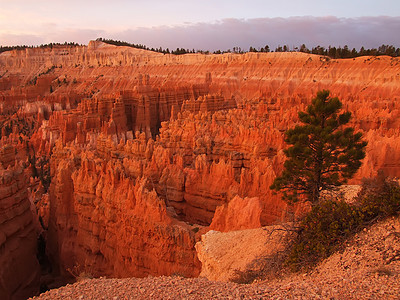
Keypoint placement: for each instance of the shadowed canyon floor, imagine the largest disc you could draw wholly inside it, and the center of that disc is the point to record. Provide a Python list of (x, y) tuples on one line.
[(130, 155)]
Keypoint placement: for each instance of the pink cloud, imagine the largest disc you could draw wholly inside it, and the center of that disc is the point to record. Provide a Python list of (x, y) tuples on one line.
[(228, 33)]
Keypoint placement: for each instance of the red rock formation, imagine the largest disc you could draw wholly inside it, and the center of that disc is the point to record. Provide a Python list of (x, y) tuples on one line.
[(19, 272), (238, 214), (7, 156), (112, 225), (147, 142)]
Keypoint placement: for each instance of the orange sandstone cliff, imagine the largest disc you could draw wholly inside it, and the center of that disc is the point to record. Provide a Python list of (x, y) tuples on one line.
[(130, 153), (19, 272)]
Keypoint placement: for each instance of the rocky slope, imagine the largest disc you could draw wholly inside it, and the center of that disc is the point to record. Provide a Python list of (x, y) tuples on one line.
[(132, 154)]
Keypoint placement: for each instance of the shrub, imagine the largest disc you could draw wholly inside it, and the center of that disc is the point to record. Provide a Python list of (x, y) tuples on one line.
[(324, 230), (379, 197), (81, 272)]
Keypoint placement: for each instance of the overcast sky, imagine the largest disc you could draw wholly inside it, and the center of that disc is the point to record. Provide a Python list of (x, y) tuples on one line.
[(203, 24)]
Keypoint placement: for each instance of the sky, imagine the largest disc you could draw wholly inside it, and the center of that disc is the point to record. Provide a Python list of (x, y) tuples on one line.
[(203, 24)]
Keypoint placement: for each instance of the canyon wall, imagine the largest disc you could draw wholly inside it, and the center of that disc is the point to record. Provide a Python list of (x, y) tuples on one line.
[(19, 272), (138, 153), (103, 222)]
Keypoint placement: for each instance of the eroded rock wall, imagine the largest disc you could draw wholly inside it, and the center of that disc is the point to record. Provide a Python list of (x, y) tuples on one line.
[(104, 222), (19, 271), (144, 149)]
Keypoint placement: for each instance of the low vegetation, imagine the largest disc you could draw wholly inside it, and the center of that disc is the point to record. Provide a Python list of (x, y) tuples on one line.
[(326, 228), (81, 272), (34, 79)]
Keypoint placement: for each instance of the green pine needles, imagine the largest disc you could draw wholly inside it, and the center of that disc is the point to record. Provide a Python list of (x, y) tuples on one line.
[(323, 152)]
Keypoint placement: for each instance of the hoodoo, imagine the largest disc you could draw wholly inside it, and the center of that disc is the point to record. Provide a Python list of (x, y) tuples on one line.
[(130, 155)]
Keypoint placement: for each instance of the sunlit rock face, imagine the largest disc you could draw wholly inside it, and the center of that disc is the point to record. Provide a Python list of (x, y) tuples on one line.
[(132, 154), (19, 272), (112, 224)]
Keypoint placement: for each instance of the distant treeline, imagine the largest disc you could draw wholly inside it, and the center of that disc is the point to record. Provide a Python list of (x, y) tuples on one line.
[(337, 52), (333, 52), (140, 46), (51, 45)]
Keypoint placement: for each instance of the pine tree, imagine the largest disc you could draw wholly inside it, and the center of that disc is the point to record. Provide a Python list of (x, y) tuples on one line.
[(323, 153)]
